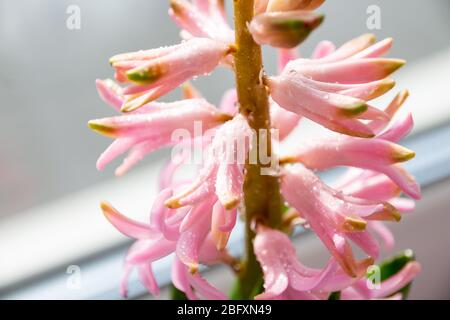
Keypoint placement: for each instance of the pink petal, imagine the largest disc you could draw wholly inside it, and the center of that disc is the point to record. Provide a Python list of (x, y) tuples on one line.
[(384, 233), (403, 205), (205, 289), (376, 50), (127, 226), (146, 250), (148, 279), (378, 188), (162, 123), (190, 242), (374, 154), (285, 56), (282, 120), (124, 280), (400, 129), (229, 102), (110, 92), (180, 279), (350, 48), (351, 71), (323, 49)]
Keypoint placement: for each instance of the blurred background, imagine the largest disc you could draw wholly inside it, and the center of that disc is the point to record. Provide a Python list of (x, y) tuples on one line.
[(50, 189)]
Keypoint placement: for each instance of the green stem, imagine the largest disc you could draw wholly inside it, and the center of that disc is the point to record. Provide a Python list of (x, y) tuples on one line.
[(261, 192)]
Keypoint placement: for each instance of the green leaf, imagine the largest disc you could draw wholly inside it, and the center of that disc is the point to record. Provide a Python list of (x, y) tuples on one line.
[(335, 296), (176, 294), (237, 294), (391, 266)]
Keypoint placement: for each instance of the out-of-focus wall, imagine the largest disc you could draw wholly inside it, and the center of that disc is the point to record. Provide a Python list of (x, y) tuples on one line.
[(47, 91)]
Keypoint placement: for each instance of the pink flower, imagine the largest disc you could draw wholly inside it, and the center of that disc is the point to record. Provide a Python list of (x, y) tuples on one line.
[(335, 217), (165, 234), (289, 5), (222, 173), (286, 278), (203, 19), (286, 5), (284, 29), (193, 284), (152, 127), (376, 154), (156, 72), (193, 219), (333, 90)]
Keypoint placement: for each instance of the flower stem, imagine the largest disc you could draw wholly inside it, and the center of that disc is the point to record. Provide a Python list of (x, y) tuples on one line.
[(261, 192)]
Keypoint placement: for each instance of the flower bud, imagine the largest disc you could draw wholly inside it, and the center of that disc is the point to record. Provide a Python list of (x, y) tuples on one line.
[(284, 29), (289, 5)]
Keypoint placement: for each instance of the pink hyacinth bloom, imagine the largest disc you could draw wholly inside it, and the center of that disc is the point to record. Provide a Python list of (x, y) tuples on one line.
[(323, 49), (388, 287), (222, 174), (162, 237), (193, 285), (152, 128), (203, 19), (285, 277), (335, 217), (334, 90), (154, 73), (289, 5), (375, 154), (284, 29), (192, 220)]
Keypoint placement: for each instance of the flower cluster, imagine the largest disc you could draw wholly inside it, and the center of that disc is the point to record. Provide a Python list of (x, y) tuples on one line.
[(194, 219)]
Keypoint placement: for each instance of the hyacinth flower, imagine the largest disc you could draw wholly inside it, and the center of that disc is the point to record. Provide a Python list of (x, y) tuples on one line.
[(340, 84), (153, 73), (162, 237), (284, 29), (286, 5), (152, 128), (204, 19), (222, 175), (287, 278), (193, 219), (336, 218), (377, 154)]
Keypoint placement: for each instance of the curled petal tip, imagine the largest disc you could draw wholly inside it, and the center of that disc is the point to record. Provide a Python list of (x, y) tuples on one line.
[(106, 208), (129, 107), (402, 154), (193, 268), (172, 203), (231, 204), (392, 65), (385, 86), (369, 38), (354, 224), (102, 128)]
